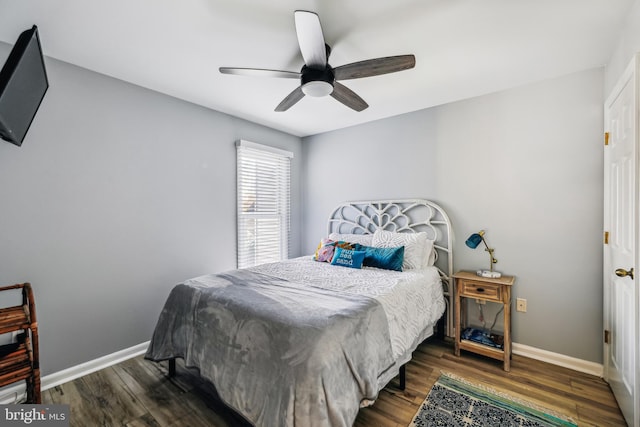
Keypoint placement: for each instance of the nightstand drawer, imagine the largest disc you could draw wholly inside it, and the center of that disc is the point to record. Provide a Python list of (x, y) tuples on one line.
[(486, 291)]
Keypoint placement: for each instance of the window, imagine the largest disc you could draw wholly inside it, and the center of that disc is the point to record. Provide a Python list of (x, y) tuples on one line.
[(263, 203)]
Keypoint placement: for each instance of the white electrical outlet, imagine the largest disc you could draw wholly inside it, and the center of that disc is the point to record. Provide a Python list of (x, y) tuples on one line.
[(521, 305)]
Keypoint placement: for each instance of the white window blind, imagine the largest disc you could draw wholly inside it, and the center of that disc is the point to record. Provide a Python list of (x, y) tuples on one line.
[(264, 175)]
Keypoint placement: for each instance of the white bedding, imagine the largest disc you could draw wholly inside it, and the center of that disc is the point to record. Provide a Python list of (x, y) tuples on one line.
[(412, 300)]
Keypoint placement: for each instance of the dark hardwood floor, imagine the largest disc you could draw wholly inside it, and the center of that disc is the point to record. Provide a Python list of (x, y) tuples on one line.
[(138, 393)]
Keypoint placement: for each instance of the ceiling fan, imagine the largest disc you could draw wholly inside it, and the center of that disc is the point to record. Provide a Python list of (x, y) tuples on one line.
[(317, 77)]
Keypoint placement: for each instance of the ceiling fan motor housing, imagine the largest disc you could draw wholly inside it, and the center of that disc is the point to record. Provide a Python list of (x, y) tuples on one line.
[(316, 82)]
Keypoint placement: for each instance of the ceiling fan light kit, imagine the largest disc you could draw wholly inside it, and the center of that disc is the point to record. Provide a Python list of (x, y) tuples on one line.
[(317, 77), (315, 82), (317, 89)]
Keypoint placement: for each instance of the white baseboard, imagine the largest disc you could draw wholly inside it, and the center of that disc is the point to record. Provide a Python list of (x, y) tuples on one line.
[(579, 365), (17, 392), (91, 366)]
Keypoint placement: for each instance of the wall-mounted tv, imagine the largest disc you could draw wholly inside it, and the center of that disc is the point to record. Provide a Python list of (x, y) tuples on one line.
[(23, 83)]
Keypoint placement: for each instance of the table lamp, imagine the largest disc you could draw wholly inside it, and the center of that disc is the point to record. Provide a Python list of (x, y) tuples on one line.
[(473, 241)]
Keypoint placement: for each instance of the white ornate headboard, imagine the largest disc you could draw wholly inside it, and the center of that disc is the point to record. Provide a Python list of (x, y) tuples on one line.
[(403, 216)]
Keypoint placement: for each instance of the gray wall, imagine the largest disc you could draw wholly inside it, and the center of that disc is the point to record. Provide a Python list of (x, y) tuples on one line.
[(118, 193), (524, 164), (627, 45)]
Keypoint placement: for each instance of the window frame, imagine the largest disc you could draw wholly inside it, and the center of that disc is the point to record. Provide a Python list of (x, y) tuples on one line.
[(271, 202)]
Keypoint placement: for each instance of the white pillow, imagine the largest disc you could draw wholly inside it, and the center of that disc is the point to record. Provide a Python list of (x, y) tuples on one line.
[(415, 246), (430, 253), (362, 239)]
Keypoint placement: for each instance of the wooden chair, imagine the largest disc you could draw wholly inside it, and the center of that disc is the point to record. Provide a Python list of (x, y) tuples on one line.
[(19, 360)]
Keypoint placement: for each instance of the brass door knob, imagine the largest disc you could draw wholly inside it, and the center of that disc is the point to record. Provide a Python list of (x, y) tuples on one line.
[(621, 272)]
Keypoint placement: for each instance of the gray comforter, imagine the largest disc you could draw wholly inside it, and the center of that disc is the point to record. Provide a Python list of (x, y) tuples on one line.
[(279, 353)]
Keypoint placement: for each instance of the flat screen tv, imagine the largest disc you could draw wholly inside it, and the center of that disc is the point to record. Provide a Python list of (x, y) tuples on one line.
[(23, 83)]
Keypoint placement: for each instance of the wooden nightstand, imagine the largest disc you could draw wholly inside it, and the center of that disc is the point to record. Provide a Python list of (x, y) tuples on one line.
[(470, 285)]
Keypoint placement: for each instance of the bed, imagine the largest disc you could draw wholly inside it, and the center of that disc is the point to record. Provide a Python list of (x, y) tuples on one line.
[(308, 343)]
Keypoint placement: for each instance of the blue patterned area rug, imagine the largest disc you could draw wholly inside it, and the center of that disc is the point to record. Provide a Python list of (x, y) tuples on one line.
[(454, 402)]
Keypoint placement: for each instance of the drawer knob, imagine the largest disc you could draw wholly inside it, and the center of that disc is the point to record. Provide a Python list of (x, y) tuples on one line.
[(479, 289)]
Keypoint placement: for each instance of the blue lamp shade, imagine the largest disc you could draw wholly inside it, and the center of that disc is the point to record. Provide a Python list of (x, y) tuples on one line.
[(474, 240)]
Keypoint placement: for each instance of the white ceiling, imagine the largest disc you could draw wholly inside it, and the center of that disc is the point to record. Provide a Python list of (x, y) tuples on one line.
[(463, 48)]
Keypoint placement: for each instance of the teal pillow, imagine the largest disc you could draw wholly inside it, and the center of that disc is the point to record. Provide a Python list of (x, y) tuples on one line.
[(386, 258), (348, 258)]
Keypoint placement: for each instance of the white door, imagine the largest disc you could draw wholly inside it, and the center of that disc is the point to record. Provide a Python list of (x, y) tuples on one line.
[(621, 299)]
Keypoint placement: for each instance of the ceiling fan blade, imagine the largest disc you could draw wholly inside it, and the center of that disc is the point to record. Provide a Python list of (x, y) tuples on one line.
[(257, 72), (348, 97), (374, 67), (290, 100), (311, 39)]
